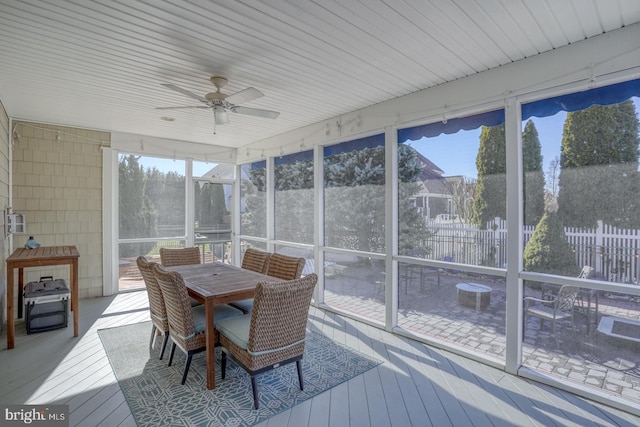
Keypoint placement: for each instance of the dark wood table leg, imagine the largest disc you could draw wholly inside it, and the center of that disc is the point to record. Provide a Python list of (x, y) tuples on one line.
[(211, 346), (10, 314), (74, 295), (20, 291)]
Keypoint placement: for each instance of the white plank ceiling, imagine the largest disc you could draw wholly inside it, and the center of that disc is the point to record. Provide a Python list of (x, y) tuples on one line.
[(100, 64)]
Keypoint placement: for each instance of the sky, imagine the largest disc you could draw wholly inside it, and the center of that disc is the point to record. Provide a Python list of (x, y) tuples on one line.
[(178, 166), (456, 154)]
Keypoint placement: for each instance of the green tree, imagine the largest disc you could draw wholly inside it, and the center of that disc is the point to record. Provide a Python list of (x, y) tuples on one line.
[(254, 201), (137, 216), (491, 186), (166, 192), (533, 175), (210, 206), (548, 250), (354, 199), (412, 229), (599, 167), (294, 201)]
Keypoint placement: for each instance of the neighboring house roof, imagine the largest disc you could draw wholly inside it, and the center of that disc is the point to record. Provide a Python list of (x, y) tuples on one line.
[(430, 170), (431, 177)]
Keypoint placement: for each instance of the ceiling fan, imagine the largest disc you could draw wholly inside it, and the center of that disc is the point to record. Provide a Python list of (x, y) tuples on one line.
[(222, 103)]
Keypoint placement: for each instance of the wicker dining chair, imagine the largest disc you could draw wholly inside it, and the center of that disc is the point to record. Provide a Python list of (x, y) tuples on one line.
[(157, 309), (170, 257), (273, 334), (280, 266), (187, 324), (285, 267), (254, 260)]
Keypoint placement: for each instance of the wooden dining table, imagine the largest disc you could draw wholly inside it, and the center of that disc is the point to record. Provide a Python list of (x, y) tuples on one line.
[(213, 284), (43, 256)]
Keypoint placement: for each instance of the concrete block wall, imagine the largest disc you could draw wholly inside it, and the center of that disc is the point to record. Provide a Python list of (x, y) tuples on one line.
[(57, 184)]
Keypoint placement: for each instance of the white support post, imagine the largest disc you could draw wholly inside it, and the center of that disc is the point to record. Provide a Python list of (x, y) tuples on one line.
[(391, 227), (515, 203)]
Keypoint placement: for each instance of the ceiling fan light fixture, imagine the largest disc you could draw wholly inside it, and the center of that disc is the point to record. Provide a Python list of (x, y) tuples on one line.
[(222, 103), (220, 115)]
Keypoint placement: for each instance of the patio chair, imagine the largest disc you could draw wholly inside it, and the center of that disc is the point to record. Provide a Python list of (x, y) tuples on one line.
[(157, 309), (408, 272), (254, 260), (273, 334), (285, 267), (187, 324), (549, 291), (185, 256), (559, 308)]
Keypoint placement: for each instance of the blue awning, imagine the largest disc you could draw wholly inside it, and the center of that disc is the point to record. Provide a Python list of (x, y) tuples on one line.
[(606, 95), (491, 118), (355, 145)]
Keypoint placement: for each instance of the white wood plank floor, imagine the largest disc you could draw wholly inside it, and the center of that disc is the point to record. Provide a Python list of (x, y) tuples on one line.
[(415, 386)]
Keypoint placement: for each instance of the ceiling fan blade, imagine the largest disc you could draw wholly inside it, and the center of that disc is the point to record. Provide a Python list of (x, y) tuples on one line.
[(256, 112), (249, 94), (176, 108), (184, 92)]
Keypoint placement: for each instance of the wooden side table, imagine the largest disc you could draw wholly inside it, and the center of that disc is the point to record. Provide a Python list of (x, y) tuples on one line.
[(43, 256)]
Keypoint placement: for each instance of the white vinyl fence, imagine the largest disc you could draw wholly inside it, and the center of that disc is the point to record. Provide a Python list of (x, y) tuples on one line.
[(613, 252)]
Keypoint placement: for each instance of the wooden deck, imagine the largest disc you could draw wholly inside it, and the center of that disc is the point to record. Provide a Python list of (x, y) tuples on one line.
[(416, 385)]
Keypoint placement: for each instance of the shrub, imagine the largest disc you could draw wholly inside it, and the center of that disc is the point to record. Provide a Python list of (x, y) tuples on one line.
[(548, 250)]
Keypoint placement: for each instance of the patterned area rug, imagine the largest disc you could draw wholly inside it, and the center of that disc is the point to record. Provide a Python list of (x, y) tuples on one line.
[(156, 397)]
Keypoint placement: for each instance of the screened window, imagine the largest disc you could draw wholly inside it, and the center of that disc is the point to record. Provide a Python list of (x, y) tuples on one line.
[(151, 211), (589, 144), (452, 190), (354, 196), (293, 184), (253, 199)]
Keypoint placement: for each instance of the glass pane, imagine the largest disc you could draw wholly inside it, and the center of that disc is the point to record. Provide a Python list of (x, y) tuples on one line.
[(294, 197), (253, 199), (452, 190), (462, 308), (590, 159), (213, 220), (355, 284), (593, 341), (354, 196), (590, 230), (152, 197)]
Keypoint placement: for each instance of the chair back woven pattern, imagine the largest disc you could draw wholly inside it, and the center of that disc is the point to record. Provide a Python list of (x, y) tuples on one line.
[(278, 319), (179, 312), (285, 267), (567, 298), (256, 260), (185, 256), (156, 301)]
